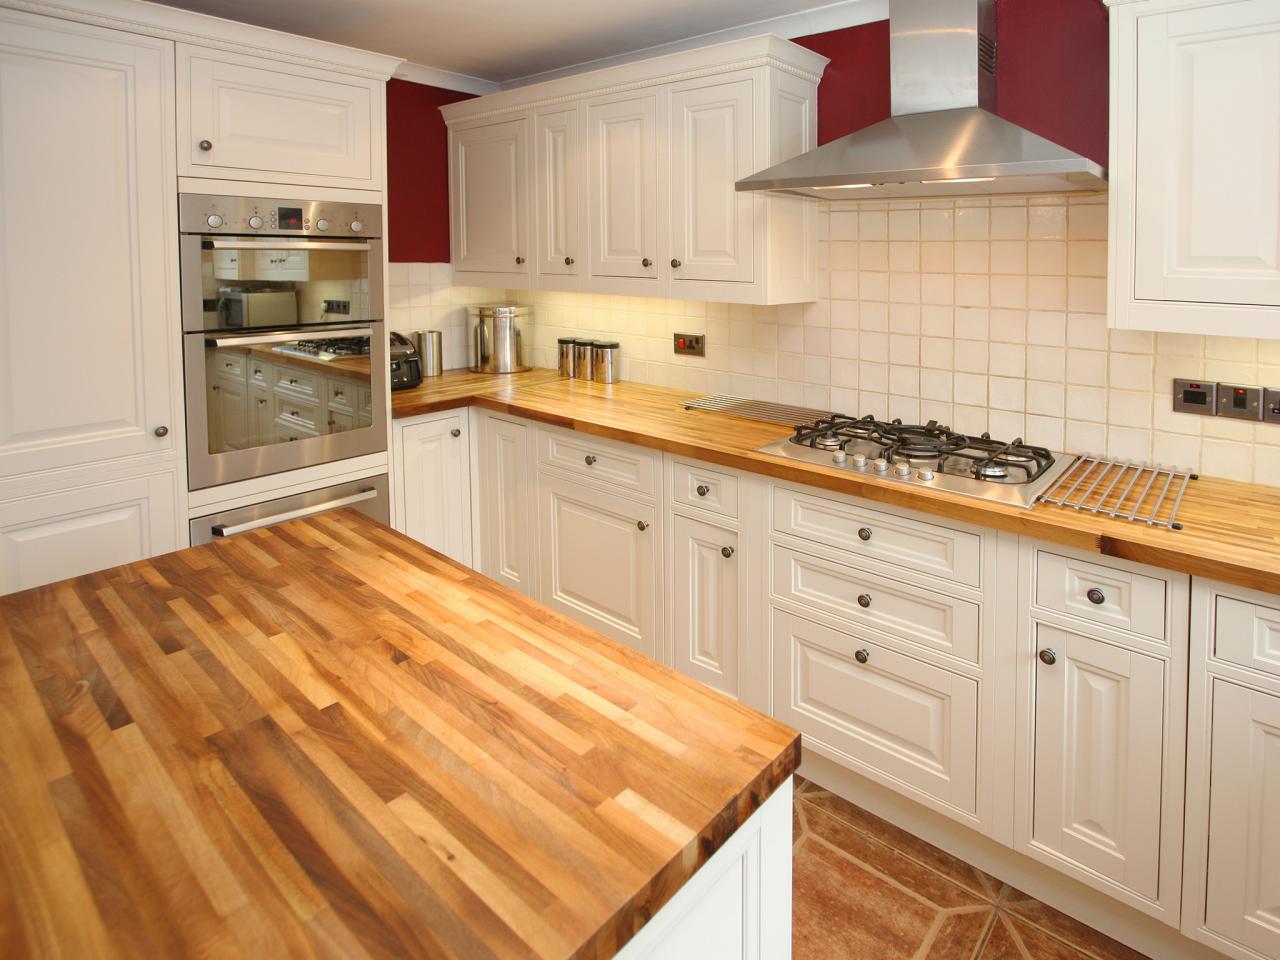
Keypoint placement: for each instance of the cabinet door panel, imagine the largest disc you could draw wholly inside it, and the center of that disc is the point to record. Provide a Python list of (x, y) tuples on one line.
[(435, 486), (1099, 747), (490, 191), (260, 116), (1208, 147), (1243, 900), (87, 335), (623, 140), (558, 188), (506, 505), (598, 566), (712, 141), (77, 531), (705, 630)]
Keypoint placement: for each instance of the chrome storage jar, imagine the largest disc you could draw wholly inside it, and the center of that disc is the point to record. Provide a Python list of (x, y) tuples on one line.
[(604, 361), (566, 354), (430, 344), (496, 337), (582, 359)]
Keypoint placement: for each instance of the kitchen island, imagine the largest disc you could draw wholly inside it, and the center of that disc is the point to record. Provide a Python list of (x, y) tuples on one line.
[(324, 739)]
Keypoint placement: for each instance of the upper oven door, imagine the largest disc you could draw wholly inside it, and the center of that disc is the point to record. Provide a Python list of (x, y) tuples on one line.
[(255, 282)]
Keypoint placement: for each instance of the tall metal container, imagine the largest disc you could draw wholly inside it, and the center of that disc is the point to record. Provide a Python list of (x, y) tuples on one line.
[(496, 337)]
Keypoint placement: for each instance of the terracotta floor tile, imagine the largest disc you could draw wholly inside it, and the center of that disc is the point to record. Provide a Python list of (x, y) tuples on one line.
[(1001, 944), (953, 868), (1090, 942), (842, 911), (960, 935)]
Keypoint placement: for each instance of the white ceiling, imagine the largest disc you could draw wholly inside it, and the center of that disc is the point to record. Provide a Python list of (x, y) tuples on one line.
[(500, 41)]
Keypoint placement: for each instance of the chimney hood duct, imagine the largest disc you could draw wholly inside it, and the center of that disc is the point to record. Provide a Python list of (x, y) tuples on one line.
[(940, 141)]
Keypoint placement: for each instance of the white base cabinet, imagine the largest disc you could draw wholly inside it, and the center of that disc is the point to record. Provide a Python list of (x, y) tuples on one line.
[(506, 526), (433, 482)]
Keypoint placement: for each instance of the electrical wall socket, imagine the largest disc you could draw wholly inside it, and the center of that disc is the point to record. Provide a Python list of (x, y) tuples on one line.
[(690, 344), (1271, 405)]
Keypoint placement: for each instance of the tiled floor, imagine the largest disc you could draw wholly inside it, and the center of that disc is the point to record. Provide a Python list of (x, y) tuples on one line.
[(865, 890)]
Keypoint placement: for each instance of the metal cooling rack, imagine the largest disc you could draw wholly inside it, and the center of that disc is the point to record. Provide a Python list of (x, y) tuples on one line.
[(1141, 492), (781, 413)]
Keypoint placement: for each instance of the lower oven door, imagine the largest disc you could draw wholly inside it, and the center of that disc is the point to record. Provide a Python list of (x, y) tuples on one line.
[(369, 496), (261, 403)]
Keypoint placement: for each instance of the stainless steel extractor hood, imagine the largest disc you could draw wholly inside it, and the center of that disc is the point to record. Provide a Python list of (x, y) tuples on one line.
[(940, 141)]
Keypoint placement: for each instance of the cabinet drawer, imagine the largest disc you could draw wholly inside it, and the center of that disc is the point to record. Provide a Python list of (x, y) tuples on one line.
[(1247, 634), (901, 610), (228, 363), (292, 413), (697, 486), (911, 544), (1106, 595), (911, 722), (297, 382), (614, 464)]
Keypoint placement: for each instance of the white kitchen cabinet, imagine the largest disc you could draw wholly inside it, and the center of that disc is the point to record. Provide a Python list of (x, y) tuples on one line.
[(599, 559), (506, 504), (705, 601), (247, 118), (88, 320), (433, 487), (558, 157), (489, 201), (74, 531), (624, 234), (1195, 143)]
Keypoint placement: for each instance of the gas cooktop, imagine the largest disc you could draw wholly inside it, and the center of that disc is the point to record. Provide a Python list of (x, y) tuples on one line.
[(928, 455), (334, 348)]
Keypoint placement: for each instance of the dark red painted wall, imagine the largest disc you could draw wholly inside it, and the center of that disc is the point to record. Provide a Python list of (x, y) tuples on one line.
[(418, 172), (854, 92)]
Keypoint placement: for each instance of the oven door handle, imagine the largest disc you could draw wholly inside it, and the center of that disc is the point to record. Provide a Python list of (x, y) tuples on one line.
[(254, 339), (223, 530), (220, 244)]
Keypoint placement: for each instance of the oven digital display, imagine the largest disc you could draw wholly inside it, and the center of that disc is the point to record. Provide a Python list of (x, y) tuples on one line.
[(290, 218)]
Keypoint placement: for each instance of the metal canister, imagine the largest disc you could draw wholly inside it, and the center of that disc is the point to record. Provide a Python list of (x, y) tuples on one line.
[(567, 365), (582, 359), (496, 337), (604, 361), (430, 345)]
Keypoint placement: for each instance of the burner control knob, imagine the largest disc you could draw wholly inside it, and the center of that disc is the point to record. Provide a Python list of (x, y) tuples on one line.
[(214, 220), (356, 226), (256, 222), (880, 465), (839, 457), (860, 461), (322, 224), (924, 475), (902, 470)]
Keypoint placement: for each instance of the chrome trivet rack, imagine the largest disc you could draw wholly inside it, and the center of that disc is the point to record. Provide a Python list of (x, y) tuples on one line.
[(1127, 490), (782, 413)]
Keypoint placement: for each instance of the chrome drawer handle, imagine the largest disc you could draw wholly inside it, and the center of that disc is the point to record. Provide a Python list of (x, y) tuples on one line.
[(1096, 596), (726, 552), (703, 489), (161, 431), (641, 526), (864, 534), (1048, 657), (455, 432), (568, 261), (519, 261), (205, 145), (589, 459), (646, 263), (863, 655), (864, 600)]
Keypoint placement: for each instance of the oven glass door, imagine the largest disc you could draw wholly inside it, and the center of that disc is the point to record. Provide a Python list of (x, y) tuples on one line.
[(262, 402)]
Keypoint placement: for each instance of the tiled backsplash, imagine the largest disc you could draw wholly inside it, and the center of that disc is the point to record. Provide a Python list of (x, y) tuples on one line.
[(987, 315)]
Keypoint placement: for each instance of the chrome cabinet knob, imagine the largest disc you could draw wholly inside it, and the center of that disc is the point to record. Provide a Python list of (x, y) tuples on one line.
[(646, 262), (641, 526), (726, 552), (589, 459), (675, 264), (519, 261), (863, 655), (455, 432), (1048, 657), (864, 600), (703, 490), (568, 261), (1096, 596), (864, 534), (161, 431), (205, 145)]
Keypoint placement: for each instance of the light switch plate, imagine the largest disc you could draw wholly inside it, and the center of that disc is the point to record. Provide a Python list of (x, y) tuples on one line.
[(1195, 396), (1271, 405), (1239, 402)]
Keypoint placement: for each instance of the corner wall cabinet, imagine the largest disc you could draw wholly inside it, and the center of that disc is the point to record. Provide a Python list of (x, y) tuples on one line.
[(1195, 143), (629, 185)]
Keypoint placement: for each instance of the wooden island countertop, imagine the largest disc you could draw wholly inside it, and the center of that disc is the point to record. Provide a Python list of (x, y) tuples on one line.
[(1231, 531), (324, 739)]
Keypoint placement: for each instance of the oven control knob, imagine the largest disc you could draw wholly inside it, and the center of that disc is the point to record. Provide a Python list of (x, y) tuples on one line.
[(214, 220), (256, 222), (860, 461), (902, 470), (880, 465), (839, 457), (924, 475), (356, 226), (322, 224)]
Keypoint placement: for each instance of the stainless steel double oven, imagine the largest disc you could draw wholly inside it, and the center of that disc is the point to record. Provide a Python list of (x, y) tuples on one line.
[(285, 346)]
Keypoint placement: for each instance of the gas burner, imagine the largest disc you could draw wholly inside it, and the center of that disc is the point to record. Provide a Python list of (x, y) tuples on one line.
[(828, 442), (990, 471)]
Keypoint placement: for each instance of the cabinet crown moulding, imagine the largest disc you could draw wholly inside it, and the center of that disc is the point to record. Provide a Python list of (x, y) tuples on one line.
[(761, 51), (183, 26)]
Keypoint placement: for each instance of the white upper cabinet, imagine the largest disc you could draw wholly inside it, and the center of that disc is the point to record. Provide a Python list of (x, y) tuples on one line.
[(489, 200), (88, 334), (246, 118), (634, 172), (1195, 145)]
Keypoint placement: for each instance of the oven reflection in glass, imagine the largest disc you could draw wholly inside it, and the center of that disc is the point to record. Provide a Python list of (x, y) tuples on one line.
[(264, 395)]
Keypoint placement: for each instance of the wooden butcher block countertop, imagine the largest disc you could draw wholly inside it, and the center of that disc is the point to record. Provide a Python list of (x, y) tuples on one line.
[(1231, 531), (323, 739)]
